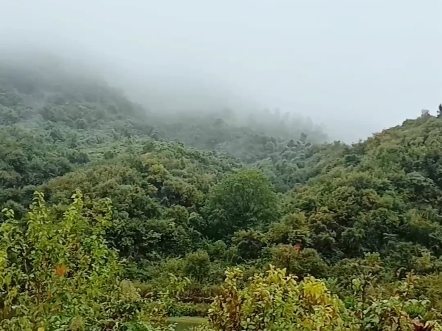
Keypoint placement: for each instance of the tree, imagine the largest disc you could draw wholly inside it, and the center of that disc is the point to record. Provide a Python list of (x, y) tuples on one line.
[(241, 200), (299, 262), (249, 244), (197, 265), (57, 273), (277, 302)]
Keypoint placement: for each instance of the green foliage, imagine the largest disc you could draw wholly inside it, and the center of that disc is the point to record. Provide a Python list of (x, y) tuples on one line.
[(241, 200), (57, 273), (249, 244), (277, 302), (193, 194), (299, 262), (197, 265)]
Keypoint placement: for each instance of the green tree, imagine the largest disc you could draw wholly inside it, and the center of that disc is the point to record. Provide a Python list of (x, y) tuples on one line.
[(57, 273), (241, 200), (197, 265), (249, 244), (299, 262), (277, 302)]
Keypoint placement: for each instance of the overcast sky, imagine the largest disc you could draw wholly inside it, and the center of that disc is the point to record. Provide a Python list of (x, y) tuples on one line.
[(357, 66)]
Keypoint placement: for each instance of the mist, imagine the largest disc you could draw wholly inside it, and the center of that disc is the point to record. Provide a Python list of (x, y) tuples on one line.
[(355, 66)]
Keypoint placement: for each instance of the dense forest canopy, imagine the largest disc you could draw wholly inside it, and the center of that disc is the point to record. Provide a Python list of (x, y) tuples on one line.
[(193, 194)]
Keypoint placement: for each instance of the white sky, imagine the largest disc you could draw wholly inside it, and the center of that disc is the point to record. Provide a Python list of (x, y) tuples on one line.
[(357, 66)]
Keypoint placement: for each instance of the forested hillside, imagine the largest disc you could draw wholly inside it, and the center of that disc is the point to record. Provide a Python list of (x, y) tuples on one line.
[(193, 195)]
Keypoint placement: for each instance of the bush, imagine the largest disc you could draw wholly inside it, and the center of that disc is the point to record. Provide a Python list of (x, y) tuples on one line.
[(277, 302), (297, 261), (57, 273)]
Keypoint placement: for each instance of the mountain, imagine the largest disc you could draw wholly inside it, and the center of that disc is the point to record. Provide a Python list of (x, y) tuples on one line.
[(194, 193)]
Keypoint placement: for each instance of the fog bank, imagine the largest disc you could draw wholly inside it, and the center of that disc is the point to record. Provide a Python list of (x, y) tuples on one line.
[(356, 66)]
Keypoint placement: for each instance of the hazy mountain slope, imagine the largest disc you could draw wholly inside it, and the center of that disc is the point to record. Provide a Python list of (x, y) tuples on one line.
[(382, 195), (195, 193), (71, 109)]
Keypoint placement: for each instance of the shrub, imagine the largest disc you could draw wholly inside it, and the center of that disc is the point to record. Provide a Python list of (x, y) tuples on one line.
[(57, 273), (277, 302)]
